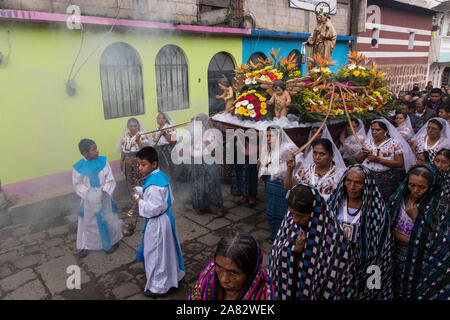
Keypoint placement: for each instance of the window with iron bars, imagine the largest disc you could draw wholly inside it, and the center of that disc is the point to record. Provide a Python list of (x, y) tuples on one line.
[(121, 81), (171, 79)]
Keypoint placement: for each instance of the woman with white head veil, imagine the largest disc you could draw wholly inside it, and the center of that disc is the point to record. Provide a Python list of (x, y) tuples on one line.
[(403, 124), (349, 146), (322, 168), (163, 141), (205, 179), (387, 155), (276, 148), (432, 137), (324, 133), (131, 141)]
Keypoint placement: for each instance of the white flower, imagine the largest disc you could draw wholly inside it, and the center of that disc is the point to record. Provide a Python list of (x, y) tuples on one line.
[(252, 113), (320, 101), (238, 104), (315, 70), (340, 111), (312, 102), (328, 70), (248, 81), (244, 103), (370, 108), (315, 89), (250, 106), (362, 68), (351, 66)]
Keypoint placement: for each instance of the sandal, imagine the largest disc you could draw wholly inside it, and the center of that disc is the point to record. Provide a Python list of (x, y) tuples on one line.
[(221, 212)]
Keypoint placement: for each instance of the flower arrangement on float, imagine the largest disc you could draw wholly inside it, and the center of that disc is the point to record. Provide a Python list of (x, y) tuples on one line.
[(359, 84)]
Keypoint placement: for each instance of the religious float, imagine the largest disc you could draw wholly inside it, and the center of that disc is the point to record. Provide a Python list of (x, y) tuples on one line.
[(358, 90)]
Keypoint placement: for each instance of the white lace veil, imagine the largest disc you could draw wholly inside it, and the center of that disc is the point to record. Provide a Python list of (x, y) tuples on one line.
[(406, 127), (337, 157), (360, 132), (408, 155), (169, 124), (445, 132), (168, 119), (142, 128), (283, 149)]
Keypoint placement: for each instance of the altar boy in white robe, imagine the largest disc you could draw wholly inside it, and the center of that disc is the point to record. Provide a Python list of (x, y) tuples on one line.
[(160, 250), (98, 224)]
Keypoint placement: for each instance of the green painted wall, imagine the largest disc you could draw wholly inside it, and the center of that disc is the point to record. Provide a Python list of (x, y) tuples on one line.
[(40, 125)]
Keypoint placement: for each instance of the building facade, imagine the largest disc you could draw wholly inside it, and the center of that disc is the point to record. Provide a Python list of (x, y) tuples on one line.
[(439, 57), (63, 79), (397, 38)]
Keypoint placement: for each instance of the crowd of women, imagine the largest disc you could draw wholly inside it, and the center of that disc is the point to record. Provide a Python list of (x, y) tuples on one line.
[(366, 220)]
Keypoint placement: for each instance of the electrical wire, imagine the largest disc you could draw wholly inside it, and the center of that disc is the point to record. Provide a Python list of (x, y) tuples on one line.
[(100, 44)]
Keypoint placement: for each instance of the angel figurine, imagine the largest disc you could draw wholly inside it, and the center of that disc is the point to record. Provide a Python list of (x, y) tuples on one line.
[(281, 98), (228, 94)]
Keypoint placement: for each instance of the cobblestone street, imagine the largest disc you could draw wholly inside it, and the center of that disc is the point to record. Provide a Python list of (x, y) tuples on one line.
[(35, 253)]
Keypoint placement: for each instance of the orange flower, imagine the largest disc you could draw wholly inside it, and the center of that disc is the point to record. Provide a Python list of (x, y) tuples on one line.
[(275, 53)]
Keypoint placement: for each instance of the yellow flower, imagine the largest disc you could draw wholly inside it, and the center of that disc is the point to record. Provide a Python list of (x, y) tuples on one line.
[(323, 70), (356, 73), (263, 105), (246, 112), (240, 110), (263, 111), (363, 74), (248, 74)]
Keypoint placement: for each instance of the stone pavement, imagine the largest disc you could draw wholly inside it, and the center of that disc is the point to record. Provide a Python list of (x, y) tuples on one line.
[(36, 250)]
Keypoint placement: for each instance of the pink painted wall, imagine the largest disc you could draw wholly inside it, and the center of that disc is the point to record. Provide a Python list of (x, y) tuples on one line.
[(48, 183)]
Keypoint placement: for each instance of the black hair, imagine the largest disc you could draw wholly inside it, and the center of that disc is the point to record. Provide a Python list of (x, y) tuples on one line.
[(403, 113), (279, 83), (324, 142), (241, 248), (381, 124), (444, 152), (225, 82), (301, 199), (436, 90), (421, 172), (148, 153), (444, 107), (84, 145), (436, 122), (426, 155)]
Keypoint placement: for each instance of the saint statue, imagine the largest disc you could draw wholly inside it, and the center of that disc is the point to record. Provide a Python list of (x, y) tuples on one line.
[(323, 38)]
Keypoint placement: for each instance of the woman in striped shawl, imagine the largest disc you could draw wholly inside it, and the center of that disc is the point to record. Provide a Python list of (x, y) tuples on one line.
[(359, 207), (236, 273), (310, 258), (442, 161), (419, 211)]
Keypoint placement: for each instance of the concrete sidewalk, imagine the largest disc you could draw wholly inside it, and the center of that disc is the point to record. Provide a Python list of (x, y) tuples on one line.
[(37, 248)]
